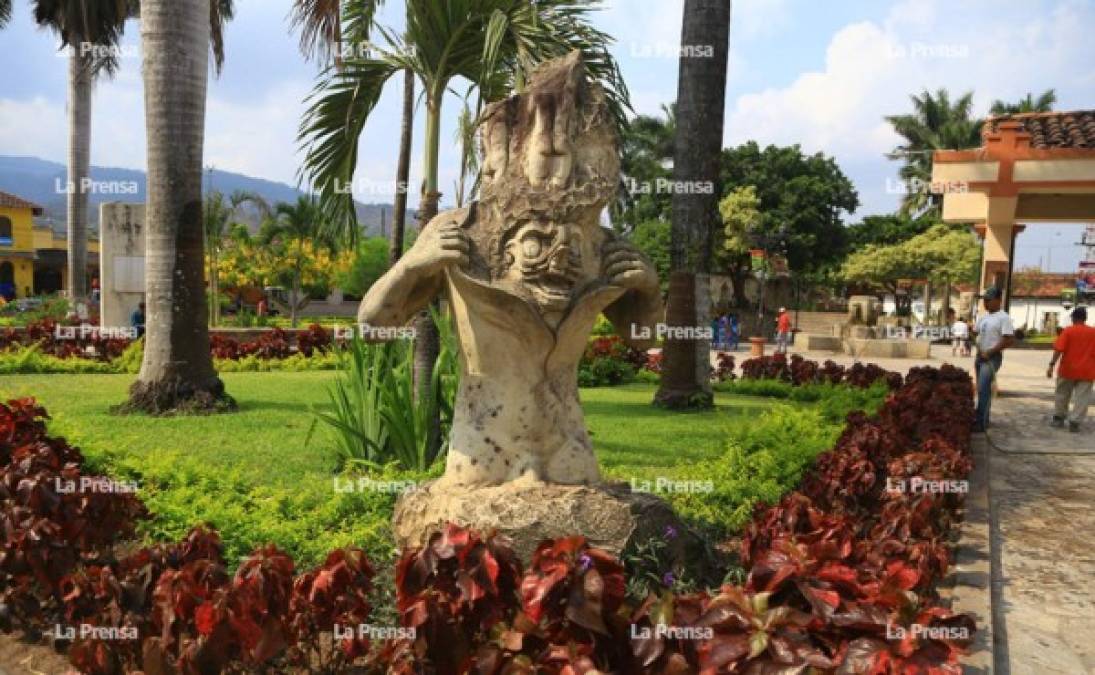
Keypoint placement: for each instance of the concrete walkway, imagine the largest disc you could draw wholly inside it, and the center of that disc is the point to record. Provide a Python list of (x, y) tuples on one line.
[(1039, 485)]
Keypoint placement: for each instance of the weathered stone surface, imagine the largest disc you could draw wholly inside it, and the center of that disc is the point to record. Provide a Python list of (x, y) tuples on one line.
[(815, 342), (611, 517)]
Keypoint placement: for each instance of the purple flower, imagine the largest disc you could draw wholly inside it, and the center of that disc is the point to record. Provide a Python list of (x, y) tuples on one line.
[(585, 562), (670, 532), (668, 579)]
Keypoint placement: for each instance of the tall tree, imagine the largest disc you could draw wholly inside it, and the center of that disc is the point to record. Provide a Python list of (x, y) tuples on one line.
[(5, 12), (296, 225), (936, 123), (90, 30), (320, 23), (646, 165), (218, 219), (177, 370), (801, 199), (491, 43), (1027, 104), (701, 103)]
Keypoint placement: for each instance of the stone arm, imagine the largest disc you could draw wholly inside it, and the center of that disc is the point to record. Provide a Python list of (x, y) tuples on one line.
[(418, 277), (640, 308)]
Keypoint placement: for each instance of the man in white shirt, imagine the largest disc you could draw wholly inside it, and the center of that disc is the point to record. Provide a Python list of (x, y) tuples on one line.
[(995, 333), (960, 335)]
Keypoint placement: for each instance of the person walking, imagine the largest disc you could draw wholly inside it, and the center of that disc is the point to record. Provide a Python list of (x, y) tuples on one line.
[(960, 335), (995, 333), (724, 332), (783, 330), (735, 332), (1075, 349)]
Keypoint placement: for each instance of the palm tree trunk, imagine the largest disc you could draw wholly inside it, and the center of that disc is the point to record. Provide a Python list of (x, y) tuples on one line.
[(701, 95), (177, 372), (403, 169), (427, 345), (79, 170)]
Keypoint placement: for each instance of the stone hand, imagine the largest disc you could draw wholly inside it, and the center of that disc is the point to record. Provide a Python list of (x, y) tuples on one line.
[(626, 267), (438, 248)]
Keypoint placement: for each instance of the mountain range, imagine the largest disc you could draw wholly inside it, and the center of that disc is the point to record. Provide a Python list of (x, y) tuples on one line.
[(43, 182)]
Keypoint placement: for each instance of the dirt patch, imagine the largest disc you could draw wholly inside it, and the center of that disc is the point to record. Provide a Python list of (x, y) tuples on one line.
[(18, 657)]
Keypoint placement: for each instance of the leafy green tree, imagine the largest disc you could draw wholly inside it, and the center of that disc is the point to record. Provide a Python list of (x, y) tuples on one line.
[(943, 254), (652, 238), (296, 231), (646, 159), (370, 262), (218, 219), (890, 228), (936, 123), (741, 219), (802, 202), (1027, 104)]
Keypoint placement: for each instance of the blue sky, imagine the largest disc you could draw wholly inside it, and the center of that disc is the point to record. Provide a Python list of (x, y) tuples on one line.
[(821, 73)]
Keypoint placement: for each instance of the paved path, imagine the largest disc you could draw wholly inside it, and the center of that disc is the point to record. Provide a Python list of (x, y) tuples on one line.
[(1041, 497)]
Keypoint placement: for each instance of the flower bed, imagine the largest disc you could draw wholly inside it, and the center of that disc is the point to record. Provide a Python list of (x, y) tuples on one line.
[(841, 577), (42, 348), (799, 371)]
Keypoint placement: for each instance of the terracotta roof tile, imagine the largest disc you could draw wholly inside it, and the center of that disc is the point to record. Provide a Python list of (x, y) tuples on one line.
[(1075, 129), (11, 201)]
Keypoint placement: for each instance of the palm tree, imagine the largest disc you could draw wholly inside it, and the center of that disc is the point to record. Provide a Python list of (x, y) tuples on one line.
[(1028, 104), (646, 154), (935, 124), (177, 370), (5, 12), (90, 29), (293, 226), (321, 26), (218, 219), (701, 102), (491, 43)]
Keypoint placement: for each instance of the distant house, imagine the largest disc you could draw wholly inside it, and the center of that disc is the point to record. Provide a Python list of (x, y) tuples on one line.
[(1041, 300), (33, 258)]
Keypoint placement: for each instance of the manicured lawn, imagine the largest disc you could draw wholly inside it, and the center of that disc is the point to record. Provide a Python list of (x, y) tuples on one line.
[(258, 476)]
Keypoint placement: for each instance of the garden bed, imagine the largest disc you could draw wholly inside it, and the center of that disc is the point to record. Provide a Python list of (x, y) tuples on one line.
[(835, 571)]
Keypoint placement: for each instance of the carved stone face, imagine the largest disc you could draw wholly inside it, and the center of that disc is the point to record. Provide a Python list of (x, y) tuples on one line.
[(544, 259)]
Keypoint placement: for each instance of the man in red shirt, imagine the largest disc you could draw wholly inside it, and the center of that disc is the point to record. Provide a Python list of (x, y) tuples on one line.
[(1075, 348), (783, 330)]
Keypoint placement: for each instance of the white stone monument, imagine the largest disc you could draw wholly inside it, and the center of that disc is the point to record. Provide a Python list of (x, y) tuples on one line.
[(121, 262)]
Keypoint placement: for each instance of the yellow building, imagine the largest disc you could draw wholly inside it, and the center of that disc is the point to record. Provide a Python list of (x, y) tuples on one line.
[(33, 258)]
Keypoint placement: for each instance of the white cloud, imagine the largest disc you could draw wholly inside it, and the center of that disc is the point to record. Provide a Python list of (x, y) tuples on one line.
[(871, 69), (30, 127)]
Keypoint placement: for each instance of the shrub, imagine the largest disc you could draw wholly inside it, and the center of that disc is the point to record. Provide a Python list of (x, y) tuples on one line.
[(376, 419)]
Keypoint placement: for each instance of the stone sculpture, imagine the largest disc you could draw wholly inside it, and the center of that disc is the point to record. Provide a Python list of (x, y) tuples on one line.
[(527, 270)]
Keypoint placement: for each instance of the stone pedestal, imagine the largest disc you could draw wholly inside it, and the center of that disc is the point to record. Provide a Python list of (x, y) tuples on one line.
[(611, 516), (756, 346), (121, 262)]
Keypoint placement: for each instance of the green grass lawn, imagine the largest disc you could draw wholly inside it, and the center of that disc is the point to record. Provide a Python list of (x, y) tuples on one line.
[(257, 476)]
